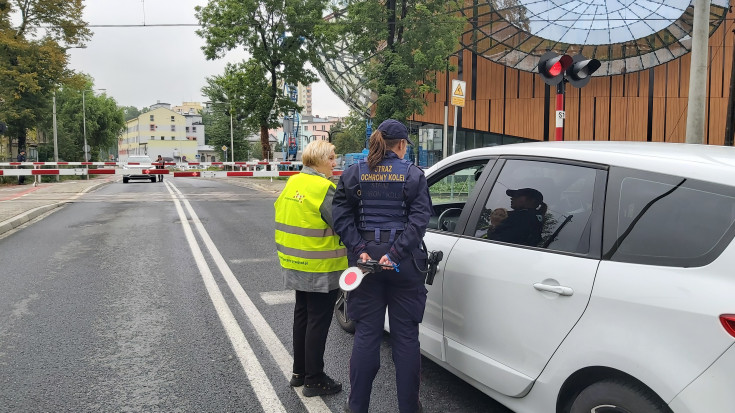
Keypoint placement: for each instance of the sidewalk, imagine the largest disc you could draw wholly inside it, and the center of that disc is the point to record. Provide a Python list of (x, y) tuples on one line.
[(22, 203)]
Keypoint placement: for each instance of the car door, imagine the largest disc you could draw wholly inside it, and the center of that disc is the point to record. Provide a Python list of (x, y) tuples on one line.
[(454, 190), (508, 306)]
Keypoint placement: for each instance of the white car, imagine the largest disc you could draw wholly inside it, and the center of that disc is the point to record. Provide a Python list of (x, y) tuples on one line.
[(135, 167), (625, 300)]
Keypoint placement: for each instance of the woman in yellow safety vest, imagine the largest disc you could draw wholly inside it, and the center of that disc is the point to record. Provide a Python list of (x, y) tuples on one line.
[(312, 258)]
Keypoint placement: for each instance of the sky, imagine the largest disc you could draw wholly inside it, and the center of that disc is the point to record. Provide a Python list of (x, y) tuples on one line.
[(139, 66)]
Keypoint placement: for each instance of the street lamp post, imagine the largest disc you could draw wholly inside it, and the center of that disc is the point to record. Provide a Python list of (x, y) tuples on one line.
[(84, 126), (56, 139), (232, 141), (84, 123)]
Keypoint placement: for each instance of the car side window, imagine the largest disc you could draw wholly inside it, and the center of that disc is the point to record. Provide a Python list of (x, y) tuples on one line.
[(450, 192), (540, 204), (667, 220)]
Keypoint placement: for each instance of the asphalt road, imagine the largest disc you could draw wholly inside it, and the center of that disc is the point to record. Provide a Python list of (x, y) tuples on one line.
[(168, 297)]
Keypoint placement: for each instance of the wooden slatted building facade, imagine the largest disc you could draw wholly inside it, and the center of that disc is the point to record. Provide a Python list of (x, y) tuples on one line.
[(650, 105)]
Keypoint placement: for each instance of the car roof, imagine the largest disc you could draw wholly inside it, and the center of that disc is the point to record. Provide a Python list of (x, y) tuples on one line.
[(704, 162)]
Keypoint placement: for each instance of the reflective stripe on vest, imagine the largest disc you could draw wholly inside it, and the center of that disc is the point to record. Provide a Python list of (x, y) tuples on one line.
[(304, 241)]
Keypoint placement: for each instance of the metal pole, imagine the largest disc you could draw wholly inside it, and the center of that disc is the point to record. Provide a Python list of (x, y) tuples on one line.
[(454, 133), (560, 114), (730, 104), (445, 137), (232, 142), (56, 140), (698, 73), (84, 130)]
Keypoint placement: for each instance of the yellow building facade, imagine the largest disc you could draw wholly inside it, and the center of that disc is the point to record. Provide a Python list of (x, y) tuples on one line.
[(160, 131)]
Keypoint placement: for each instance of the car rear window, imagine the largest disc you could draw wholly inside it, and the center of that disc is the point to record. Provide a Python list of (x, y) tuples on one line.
[(670, 221)]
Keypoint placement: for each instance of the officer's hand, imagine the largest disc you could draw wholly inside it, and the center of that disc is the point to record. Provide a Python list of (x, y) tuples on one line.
[(386, 262), (364, 257)]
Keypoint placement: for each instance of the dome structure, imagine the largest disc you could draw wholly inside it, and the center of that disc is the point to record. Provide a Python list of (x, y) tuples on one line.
[(624, 35)]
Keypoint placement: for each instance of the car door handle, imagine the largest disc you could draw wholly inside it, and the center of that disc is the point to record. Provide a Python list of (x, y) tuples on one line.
[(557, 289)]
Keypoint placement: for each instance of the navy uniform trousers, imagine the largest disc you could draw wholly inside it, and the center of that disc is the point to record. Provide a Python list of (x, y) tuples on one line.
[(404, 294)]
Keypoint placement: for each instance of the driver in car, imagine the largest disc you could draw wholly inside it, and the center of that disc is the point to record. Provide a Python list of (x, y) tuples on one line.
[(524, 222)]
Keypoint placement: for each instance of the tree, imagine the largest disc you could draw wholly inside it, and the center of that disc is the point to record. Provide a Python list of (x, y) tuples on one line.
[(279, 35), (223, 92), (130, 112), (104, 123), (32, 57), (349, 136), (404, 44)]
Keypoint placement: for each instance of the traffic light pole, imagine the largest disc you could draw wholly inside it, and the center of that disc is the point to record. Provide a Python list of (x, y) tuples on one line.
[(560, 114)]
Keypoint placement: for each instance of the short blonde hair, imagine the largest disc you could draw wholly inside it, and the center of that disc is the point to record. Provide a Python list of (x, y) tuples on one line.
[(316, 152)]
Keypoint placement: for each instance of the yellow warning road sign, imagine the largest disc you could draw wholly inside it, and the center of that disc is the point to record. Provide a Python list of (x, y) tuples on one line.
[(458, 92)]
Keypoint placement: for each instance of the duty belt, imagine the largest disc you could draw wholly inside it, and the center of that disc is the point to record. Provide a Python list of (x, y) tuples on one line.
[(370, 235)]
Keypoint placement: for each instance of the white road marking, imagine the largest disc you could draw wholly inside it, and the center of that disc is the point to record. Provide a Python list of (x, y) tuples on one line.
[(278, 297), (268, 337), (256, 375)]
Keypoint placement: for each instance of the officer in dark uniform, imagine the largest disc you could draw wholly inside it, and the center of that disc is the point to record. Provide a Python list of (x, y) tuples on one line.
[(381, 209), (21, 158)]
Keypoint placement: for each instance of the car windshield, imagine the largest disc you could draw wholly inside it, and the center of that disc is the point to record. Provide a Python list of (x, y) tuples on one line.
[(139, 159)]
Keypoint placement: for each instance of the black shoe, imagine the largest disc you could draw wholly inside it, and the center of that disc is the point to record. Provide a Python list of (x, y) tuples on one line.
[(297, 380), (324, 387)]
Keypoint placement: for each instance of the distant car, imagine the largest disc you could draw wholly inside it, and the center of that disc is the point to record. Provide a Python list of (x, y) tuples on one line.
[(613, 294), (135, 171)]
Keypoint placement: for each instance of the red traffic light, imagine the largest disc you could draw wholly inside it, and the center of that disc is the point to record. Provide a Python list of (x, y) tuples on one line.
[(580, 72), (555, 69), (552, 66)]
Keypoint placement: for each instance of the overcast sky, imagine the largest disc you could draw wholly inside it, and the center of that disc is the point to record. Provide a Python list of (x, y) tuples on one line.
[(140, 66)]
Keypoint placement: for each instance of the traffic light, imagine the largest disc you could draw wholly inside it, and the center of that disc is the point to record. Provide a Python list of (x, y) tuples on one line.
[(552, 67), (581, 70)]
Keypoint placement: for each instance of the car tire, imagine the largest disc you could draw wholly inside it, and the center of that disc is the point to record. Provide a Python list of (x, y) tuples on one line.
[(340, 313), (125, 180), (153, 179), (618, 396)]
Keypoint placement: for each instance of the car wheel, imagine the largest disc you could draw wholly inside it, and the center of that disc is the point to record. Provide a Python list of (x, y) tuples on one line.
[(618, 396), (153, 179), (125, 180), (340, 313)]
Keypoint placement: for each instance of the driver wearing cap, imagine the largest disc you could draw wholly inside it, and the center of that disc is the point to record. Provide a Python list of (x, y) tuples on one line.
[(525, 222)]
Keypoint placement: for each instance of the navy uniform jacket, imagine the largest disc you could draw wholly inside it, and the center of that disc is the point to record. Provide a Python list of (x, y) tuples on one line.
[(346, 214)]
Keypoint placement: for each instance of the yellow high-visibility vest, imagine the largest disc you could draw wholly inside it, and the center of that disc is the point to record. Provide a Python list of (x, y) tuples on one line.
[(304, 241)]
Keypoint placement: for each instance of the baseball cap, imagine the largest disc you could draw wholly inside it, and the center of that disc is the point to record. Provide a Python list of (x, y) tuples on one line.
[(529, 192), (393, 129)]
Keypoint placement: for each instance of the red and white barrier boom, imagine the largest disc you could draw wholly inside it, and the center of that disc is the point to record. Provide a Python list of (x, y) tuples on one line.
[(246, 169)]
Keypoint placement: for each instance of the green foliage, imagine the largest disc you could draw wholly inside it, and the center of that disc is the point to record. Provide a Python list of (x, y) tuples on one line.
[(217, 130), (348, 136), (404, 42), (104, 123), (130, 112), (279, 35), (33, 58)]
